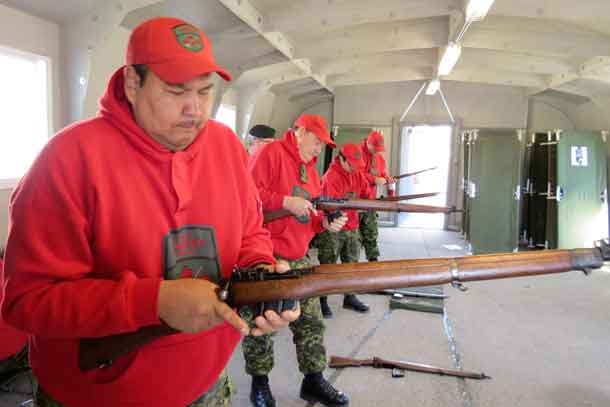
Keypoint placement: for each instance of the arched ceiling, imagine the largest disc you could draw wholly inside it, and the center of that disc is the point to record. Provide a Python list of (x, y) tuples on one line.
[(310, 47)]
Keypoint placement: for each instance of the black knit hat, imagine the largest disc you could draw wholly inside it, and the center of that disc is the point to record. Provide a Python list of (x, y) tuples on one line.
[(262, 131)]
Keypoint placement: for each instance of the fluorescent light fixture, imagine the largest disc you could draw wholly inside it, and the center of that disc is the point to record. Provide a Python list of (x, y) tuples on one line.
[(477, 9), (450, 57), (433, 87)]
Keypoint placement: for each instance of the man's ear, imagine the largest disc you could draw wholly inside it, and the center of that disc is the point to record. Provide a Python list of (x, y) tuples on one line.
[(131, 83)]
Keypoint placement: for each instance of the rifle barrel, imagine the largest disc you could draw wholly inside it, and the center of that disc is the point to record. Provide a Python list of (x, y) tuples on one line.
[(408, 197), (410, 174), (329, 279)]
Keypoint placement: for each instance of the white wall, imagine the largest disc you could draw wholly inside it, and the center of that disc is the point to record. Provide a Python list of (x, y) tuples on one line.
[(285, 112), (477, 105), (35, 35), (549, 114)]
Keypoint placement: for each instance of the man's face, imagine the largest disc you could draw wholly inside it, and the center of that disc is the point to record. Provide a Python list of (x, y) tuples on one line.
[(257, 144), (371, 147), (172, 114), (309, 145)]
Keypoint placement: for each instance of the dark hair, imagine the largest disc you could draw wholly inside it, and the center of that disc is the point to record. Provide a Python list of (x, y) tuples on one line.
[(141, 71)]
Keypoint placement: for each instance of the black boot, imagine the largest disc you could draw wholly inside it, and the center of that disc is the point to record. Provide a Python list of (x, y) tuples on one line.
[(316, 388), (350, 301), (327, 313), (260, 393)]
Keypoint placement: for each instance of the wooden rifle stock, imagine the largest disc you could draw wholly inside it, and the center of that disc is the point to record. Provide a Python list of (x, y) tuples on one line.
[(332, 205), (341, 362), (253, 286), (408, 197), (410, 174)]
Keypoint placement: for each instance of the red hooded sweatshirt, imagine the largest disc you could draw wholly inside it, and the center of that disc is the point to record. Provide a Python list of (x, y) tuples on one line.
[(11, 340), (276, 170), (338, 183), (374, 167), (85, 253)]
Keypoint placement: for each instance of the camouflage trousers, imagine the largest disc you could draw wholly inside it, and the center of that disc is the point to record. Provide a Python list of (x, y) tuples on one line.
[(369, 233), (344, 244), (217, 396), (12, 366), (307, 335)]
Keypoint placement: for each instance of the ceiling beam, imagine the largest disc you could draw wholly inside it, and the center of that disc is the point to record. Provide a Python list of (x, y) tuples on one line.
[(369, 39), (382, 75), (275, 74), (341, 14), (496, 77), (539, 37), (246, 11)]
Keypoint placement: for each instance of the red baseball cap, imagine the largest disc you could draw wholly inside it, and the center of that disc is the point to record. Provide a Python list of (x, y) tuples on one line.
[(317, 125), (376, 140), (353, 155), (176, 51)]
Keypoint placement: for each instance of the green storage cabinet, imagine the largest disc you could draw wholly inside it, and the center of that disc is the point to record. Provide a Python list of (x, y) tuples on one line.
[(567, 189), (582, 211), (493, 189)]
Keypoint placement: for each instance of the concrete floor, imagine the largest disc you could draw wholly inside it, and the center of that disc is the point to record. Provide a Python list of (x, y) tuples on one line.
[(542, 340)]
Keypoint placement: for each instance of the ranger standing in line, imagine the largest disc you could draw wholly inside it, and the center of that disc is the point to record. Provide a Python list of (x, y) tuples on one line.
[(344, 179), (285, 174), (114, 210), (258, 137), (376, 174)]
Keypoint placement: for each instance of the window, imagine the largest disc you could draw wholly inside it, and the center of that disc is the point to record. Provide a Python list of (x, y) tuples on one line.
[(24, 107), (226, 115)]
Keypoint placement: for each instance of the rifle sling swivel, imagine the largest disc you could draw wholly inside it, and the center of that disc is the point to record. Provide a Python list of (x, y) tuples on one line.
[(455, 276)]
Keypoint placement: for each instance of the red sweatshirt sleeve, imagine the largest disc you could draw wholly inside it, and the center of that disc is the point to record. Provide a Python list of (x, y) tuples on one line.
[(49, 262), (383, 171), (332, 188), (264, 173), (256, 245)]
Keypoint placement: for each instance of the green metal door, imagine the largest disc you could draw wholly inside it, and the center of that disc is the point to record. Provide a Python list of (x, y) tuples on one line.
[(467, 139), (344, 135), (495, 172), (582, 215)]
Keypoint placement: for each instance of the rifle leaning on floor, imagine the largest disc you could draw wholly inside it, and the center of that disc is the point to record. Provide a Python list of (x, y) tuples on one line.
[(408, 197), (410, 174), (334, 205), (341, 362), (253, 286)]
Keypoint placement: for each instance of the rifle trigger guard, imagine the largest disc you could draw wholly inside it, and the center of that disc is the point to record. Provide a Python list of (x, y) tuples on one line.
[(455, 275)]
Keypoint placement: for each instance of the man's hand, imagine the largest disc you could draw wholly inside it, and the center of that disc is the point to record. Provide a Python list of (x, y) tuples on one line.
[(297, 205), (336, 225), (380, 181), (192, 305), (272, 321), (390, 179)]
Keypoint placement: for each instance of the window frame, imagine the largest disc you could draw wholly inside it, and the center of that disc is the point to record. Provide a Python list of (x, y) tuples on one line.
[(11, 183)]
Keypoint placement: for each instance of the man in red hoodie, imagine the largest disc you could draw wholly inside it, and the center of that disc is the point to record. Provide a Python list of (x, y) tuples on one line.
[(114, 210), (344, 180), (285, 174), (376, 174), (13, 354)]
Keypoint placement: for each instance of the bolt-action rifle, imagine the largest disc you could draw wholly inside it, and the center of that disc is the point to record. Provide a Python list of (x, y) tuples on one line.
[(408, 197), (255, 286), (334, 205), (341, 362)]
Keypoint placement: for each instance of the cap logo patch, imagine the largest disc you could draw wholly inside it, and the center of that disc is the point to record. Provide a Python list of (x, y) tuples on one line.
[(357, 156), (188, 37)]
